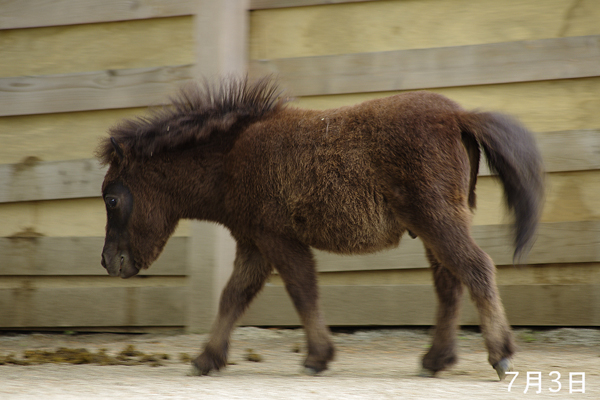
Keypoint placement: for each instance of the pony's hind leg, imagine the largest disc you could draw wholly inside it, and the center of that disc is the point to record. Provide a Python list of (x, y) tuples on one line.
[(249, 275), (295, 264), (449, 290), (450, 242)]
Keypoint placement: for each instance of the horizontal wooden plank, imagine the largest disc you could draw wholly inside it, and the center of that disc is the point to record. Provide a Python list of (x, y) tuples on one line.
[(547, 274), (57, 137), (522, 61), (543, 106), (558, 242), (391, 25), (78, 256), (575, 150), (409, 254), (565, 242), (97, 90), (84, 217), (561, 242), (566, 305), (548, 59), (31, 307), (97, 47), (268, 4), (34, 180), (388, 305), (37, 13)]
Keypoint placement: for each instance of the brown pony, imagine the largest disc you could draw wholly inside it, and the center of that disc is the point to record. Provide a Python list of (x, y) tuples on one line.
[(350, 180)]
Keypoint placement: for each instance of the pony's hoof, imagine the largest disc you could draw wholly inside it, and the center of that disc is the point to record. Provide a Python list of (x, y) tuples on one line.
[(502, 367), (195, 371), (310, 371), (426, 373), (315, 367)]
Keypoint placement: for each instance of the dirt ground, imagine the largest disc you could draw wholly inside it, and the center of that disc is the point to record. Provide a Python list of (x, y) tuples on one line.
[(370, 364)]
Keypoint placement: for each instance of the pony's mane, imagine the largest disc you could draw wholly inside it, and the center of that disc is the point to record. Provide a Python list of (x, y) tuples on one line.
[(193, 115)]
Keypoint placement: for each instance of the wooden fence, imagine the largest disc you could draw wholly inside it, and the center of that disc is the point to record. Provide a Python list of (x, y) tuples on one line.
[(52, 112)]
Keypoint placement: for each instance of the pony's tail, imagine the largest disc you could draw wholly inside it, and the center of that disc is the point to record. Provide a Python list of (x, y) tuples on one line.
[(511, 153)]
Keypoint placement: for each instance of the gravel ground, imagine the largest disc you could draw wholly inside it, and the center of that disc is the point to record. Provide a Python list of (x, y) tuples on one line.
[(374, 364)]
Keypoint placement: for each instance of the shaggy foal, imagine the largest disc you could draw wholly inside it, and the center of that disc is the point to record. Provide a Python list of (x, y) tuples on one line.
[(351, 180)]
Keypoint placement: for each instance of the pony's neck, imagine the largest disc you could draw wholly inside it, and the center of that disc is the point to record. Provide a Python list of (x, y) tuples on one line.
[(194, 185)]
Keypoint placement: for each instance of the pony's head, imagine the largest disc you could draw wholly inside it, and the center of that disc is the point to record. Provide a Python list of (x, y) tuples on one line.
[(149, 182), (139, 218)]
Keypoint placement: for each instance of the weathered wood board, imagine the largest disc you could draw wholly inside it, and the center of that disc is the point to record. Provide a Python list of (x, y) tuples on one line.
[(544, 106), (30, 306), (269, 4), (542, 60), (561, 242), (34, 180), (18, 13), (74, 256), (81, 217), (523, 61), (84, 91), (96, 47), (156, 301), (558, 305), (531, 274), (57, 137), (36, 13), (390, 25), (566, 242)]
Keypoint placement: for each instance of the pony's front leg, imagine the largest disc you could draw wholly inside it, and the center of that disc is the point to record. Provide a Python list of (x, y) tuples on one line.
[(294, 262), (249, 275)]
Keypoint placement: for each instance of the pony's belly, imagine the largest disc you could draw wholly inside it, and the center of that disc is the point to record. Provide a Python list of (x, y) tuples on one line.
[(349, 247), (344, 246), (348, 238)]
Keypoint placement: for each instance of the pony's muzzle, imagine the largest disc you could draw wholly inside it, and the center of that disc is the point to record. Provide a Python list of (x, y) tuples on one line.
[(119, 264)]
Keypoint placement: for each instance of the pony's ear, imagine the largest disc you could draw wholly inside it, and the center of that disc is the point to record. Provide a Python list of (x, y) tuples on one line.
[(118, 148)]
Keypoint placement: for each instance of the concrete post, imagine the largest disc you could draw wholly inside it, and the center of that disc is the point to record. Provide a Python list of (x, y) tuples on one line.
[(221, 35)]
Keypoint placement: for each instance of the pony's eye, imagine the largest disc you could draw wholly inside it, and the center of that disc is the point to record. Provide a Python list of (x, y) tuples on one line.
[(111, 202)]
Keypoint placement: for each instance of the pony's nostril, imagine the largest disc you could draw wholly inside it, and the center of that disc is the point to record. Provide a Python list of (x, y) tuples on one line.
[(122, 259)]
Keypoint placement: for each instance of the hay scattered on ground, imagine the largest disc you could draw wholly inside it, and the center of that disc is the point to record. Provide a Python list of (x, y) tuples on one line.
[(128, 356)]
